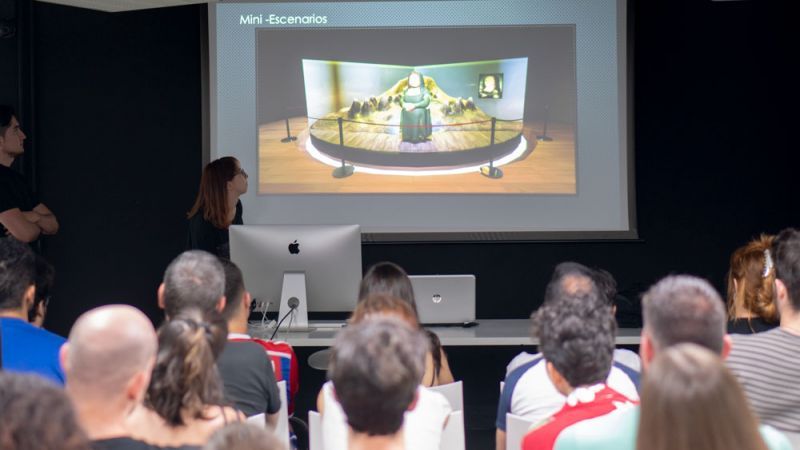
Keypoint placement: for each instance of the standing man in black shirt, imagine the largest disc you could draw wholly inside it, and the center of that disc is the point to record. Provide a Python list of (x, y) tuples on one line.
[(21, 214)]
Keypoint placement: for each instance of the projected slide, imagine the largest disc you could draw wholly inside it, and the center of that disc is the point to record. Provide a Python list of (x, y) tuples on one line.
[(428, 120), (433, 127)]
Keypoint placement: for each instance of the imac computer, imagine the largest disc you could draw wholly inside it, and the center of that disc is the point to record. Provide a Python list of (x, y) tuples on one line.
[(301, 268)]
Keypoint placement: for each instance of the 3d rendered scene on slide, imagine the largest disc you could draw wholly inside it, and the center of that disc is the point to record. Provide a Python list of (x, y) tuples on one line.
[(445, 128)]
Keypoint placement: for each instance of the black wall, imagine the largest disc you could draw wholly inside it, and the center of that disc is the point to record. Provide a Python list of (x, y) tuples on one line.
[(118, 135)]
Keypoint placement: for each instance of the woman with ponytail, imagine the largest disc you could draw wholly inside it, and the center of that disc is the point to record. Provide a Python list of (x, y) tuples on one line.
[(751, 307), (185, 403)]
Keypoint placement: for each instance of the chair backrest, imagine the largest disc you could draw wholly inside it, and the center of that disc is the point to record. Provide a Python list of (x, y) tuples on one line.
[(282, 428), (516, 429), (453, 392), (315, 431), (453, 433)]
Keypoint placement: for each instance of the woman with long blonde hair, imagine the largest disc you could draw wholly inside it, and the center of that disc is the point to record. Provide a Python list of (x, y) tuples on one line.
[(751, 307)]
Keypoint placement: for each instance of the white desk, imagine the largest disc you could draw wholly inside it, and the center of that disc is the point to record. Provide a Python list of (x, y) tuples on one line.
[(489, 332)]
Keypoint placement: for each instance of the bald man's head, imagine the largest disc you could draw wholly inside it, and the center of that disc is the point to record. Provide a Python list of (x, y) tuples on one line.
[(570, 279), (107, 347)]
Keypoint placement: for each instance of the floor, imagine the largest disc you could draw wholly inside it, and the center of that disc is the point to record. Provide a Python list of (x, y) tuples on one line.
[(287, 168)]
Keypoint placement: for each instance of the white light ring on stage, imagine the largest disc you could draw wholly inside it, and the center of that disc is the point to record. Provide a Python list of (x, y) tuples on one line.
[(325, 159)]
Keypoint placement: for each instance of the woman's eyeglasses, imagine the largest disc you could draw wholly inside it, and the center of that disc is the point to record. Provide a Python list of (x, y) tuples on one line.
[(242, 173)]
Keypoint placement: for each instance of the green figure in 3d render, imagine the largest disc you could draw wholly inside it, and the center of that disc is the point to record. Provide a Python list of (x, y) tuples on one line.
[(415, 120)]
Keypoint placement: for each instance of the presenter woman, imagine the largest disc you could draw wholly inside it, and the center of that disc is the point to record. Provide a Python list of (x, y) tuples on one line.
[(217, 206), (415, 119)]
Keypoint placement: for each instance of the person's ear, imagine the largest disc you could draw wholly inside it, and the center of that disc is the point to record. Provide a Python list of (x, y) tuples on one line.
[(414, 401), (247, 301), (29, 298), (645, 349), (557, 379), (781, 293), (137, 386), (161, 296), (63, 357), (221, 303), (727, 344)]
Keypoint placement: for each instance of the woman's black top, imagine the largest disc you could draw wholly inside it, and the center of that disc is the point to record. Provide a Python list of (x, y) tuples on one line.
[(754, 325), (203, 235)]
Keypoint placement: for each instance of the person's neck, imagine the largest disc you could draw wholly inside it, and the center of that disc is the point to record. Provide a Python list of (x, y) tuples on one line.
[(102, 419), (6, 159), (790, 321), (14, 314), (237, 325), (362, 441), (233, 198)]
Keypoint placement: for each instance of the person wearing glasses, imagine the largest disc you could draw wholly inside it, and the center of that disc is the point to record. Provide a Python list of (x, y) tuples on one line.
[(217, 206)]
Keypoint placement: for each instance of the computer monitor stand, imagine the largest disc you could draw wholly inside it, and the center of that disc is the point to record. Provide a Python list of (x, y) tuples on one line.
[(293, 293)]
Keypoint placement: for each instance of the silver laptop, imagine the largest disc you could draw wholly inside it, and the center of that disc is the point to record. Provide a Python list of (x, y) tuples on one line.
[(445, 299)]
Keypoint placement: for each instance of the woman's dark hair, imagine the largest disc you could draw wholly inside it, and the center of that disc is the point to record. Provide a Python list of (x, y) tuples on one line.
[(6, 113), (212, 197), (185, 378), (388, 278), (37, 415)]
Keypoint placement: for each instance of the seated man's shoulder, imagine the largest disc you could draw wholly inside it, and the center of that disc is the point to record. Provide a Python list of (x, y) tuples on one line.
[(128, 443), (242, 354), (15, 328), (613, 431), (774, 439)]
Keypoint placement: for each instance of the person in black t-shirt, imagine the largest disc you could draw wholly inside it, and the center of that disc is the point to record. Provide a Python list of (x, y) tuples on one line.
[(108, 360), (217, 206), (22, 215)]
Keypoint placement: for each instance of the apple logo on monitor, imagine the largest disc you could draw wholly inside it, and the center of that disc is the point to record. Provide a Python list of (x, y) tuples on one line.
[(294, 247)]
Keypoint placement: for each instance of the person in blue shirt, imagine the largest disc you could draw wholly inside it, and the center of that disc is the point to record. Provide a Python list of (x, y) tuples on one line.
[(25, 348)]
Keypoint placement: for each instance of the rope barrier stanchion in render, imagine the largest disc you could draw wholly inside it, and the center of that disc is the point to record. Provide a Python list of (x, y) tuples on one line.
[(345, 170), (289, 137), (491, 171)]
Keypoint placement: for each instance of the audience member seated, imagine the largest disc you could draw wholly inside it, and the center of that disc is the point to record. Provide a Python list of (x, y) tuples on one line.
[(246, 369), (45, 275), (691, 401), (37, 415), (766, 363), (423, 425), (676, 310), (529, 392), (607, 287), (108, 360), (576, 335), (25, 347), (243, 436), (193, 280), (387, 277), (185, 402), (751, 307), (375, 370)]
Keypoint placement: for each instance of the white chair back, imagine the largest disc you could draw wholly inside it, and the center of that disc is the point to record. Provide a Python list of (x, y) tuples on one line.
[(315, 431), (453, 433), (282, 428), (516, 429), (453, 392)]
